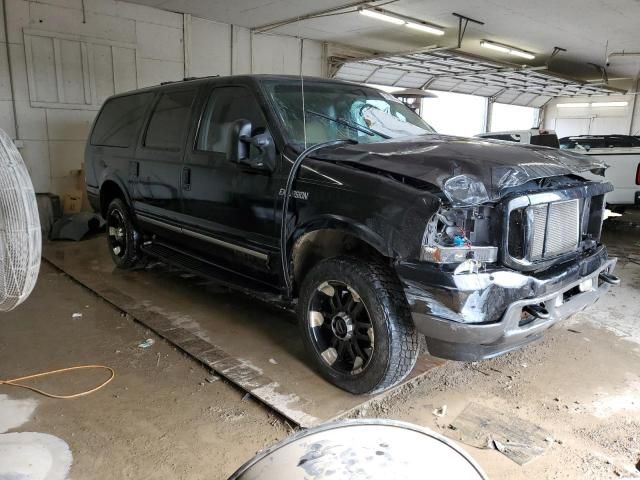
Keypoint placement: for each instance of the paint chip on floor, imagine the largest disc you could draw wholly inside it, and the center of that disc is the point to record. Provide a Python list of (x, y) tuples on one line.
[(14, 412)]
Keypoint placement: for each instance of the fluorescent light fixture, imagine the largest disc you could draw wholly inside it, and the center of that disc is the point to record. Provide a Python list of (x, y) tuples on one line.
[(594, 104), (382, 16), (516, 52), (494, 46), (425, 28), (573, 105), (522, 53), (609, 104)]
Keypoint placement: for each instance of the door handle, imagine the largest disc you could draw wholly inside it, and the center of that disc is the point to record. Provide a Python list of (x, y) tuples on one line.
[(186, 178)]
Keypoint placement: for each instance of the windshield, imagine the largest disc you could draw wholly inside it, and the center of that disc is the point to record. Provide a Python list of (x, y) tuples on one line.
[(335, 111)]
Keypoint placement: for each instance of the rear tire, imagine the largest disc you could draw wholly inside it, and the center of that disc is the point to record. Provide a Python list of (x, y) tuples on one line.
[(356, 325), (122, 236)]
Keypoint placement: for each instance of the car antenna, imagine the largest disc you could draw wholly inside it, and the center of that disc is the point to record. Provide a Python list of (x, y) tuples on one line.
[(304, 110)]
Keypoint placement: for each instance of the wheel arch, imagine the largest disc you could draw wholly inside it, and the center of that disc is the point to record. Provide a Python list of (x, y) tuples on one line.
[(110, 188), (327, 237)]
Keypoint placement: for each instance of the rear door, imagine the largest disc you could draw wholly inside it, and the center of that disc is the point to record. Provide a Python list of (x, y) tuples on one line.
[(229, 207), (113, 140), (157, 171)]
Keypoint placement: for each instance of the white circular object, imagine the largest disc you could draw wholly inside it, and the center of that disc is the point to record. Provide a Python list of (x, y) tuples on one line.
[(20, 235), (362, 449)]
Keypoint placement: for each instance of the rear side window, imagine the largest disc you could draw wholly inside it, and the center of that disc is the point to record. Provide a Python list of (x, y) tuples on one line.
[(120, 120), (622, 142), (545, 140), (567, 143), (591, 143), (225, 106), (169, 120)]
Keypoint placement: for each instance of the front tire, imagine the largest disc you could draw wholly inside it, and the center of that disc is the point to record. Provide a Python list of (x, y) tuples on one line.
[(122, 236), (356, 325)]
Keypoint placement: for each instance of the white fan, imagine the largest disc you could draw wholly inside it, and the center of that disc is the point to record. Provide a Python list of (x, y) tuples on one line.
[(20, 235)]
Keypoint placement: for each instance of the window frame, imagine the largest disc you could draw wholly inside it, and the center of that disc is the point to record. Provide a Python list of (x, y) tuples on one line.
[(185, 130), (207, 98), (135, 137)]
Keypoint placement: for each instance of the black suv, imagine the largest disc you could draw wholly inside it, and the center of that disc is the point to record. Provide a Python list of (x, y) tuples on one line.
[(337, 199)]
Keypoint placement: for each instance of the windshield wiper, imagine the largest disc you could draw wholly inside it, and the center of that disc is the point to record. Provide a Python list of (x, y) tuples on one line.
[(354, 126)]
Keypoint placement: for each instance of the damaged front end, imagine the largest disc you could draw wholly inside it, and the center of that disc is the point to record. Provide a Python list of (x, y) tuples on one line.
[(513, 247), (493, 276)]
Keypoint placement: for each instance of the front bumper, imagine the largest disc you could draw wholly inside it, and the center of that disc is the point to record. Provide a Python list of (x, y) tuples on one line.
[(474, 316)]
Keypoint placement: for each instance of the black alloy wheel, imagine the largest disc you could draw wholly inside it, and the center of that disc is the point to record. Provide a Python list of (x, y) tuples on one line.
[(341, 329), (356, 324), (116, 232), (122, 236)]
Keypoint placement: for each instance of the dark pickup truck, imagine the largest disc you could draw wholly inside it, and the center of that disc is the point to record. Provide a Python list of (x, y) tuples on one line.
[(337, 199)]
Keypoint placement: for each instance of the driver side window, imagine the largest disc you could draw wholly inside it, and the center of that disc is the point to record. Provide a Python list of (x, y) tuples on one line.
[(224, 107)]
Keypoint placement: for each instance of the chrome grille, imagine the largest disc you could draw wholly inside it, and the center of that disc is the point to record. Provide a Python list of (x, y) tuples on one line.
[(555, 228), (542, 227), (538, 226)]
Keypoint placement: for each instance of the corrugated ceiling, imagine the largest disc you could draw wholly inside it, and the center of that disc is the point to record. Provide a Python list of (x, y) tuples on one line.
[(451, 71)]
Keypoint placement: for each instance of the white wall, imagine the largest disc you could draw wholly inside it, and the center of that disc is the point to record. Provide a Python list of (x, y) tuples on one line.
[(223, 49), (64, 63), (593, 120)]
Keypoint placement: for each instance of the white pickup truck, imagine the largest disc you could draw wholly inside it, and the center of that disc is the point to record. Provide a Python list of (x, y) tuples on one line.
[(533, 136), (622, 154)]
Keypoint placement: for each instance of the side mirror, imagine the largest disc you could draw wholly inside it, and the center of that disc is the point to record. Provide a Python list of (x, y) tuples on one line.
[(255, 151), (238, 149)]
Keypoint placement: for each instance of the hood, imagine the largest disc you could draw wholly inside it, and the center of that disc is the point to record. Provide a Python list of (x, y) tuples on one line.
[(469, 171)]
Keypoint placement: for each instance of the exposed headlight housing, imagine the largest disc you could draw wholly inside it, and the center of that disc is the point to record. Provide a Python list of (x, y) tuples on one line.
[(439, 254), (455, 235)]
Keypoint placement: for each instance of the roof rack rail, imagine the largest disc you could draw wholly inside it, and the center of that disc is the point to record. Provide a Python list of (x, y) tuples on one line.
[(187, 79)]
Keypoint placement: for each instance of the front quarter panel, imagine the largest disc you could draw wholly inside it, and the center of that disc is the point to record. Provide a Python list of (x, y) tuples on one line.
[(388, 214)]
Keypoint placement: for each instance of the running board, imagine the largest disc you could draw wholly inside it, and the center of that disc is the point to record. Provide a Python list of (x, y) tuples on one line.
[(209, 270)]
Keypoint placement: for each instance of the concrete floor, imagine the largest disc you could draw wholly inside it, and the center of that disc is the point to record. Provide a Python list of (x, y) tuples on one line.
[(160, 418), (252, 344)]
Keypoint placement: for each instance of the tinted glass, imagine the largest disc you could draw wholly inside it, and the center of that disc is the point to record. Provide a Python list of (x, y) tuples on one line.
[(545, 140), (592, 143), (169, 120), (584, 143), (119, 120), (620, 142), (225, 106), (567, 143)]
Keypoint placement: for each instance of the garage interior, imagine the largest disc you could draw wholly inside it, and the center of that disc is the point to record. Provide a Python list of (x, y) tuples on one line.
[(206, 377)]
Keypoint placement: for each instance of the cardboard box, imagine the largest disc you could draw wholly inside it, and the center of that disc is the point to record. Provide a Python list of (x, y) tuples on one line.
[(72, 202)]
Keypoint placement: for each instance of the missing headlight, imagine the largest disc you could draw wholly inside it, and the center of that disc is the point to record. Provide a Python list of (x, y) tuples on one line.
[(458, 234)]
